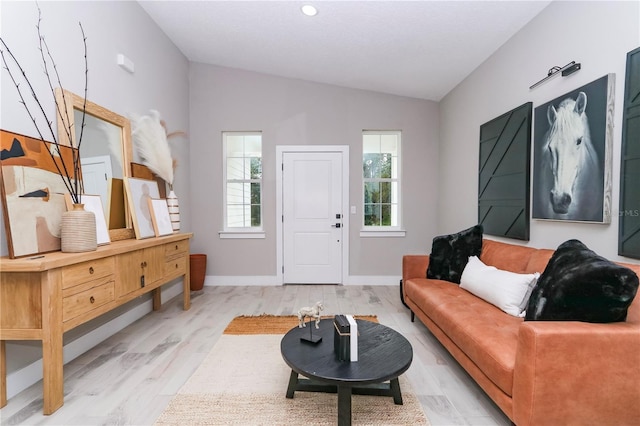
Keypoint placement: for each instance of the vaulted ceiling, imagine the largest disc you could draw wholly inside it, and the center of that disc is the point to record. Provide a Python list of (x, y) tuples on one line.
[(420, 49)]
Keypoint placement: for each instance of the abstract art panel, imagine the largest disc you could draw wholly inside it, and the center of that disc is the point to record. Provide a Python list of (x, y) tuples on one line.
[(32, 193)]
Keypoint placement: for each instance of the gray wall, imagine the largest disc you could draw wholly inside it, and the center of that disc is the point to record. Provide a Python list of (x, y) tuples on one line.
[(160, 82), (596, 34), (294, 112)]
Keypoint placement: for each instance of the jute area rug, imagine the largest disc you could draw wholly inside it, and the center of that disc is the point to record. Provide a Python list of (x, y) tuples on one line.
[(243, 381)]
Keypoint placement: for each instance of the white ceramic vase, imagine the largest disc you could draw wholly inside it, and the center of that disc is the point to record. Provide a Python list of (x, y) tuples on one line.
[(174, 210)]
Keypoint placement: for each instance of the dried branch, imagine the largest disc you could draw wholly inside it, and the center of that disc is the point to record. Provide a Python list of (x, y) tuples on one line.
[(22, 101), (72, 185)]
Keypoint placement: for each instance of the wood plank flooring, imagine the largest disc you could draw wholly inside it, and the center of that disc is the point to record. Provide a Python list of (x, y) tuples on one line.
[(130, 378)]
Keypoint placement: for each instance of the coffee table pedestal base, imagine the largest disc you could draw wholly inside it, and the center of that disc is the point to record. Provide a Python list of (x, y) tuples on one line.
[(392, 388)]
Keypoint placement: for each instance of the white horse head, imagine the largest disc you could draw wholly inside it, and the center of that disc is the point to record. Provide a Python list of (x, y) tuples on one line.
[(568, 145)]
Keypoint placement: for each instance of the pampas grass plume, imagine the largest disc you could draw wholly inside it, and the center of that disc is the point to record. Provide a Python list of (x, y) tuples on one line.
[(150, 139)]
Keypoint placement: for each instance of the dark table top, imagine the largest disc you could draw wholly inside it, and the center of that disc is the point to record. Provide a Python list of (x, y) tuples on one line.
[(383, 354)]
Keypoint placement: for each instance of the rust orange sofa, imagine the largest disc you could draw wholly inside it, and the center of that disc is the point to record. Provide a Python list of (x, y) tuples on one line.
[(537, 372)]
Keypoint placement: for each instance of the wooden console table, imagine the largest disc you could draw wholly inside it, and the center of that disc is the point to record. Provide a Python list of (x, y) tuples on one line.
[(42, 297)]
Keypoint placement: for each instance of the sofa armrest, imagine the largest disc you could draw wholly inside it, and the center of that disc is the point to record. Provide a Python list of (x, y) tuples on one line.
[(577, 373), (414, 266)]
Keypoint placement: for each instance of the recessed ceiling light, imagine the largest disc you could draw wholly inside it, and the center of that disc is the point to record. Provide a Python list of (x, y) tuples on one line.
[(309, 10)]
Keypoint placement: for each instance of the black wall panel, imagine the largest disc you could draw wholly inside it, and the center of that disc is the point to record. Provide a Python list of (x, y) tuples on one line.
[(504, 174), (629, 225)]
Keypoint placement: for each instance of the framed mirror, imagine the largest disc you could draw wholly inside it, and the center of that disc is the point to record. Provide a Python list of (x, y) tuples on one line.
[(105, 156)]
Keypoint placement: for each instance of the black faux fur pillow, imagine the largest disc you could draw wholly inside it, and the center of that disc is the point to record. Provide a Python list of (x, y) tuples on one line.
[(450, 253), (579, 285)]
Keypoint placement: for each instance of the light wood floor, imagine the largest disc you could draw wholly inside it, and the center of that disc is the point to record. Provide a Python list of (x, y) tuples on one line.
[(129, 378)]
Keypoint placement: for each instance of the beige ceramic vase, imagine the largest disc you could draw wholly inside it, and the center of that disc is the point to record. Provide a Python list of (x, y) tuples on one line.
[(78, 233)]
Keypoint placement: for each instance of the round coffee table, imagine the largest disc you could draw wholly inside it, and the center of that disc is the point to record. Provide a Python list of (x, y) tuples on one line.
[(383, 355)]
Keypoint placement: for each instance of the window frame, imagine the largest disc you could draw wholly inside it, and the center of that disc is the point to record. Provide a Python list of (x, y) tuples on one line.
[(241, 231), (381, 230)]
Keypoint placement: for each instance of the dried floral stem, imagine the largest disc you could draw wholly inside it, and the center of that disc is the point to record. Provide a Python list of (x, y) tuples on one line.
[(72, 185), (22, 101)]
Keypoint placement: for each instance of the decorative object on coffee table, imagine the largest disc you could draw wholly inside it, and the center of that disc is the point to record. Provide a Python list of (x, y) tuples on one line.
[(311, 312)]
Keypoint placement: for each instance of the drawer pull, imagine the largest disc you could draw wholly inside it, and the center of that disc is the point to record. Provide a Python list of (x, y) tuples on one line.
[(91, 270), (176, 266), (176, 247), (92, 299)]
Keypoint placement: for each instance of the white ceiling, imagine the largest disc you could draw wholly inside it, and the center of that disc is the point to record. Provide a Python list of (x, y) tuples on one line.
[(420, 49)]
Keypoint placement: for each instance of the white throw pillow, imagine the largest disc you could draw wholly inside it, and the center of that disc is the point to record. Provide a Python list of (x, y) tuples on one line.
[(506, 290)]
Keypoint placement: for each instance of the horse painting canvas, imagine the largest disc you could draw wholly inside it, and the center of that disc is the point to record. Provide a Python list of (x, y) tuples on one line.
[(572, 155)]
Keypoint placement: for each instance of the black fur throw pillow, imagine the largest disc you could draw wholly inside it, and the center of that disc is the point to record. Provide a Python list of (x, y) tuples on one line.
[(450, 253), (579, 285)]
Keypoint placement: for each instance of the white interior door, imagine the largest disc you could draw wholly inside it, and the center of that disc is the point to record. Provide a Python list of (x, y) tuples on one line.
[(312, 217), (96, 172)]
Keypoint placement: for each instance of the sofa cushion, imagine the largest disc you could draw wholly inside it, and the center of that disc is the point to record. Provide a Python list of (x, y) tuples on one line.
[(506, 290), (508, 257), (450, 253), (483, 332), (579, 285)]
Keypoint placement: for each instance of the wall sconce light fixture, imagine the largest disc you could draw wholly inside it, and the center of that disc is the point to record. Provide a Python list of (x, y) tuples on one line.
[(568, 69)]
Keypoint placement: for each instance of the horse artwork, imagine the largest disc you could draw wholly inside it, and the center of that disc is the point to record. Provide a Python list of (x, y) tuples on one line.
[(312, 312), (572, 171)]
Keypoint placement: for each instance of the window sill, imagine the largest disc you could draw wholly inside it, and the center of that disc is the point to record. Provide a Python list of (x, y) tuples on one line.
[(241, 234), (383, 234)]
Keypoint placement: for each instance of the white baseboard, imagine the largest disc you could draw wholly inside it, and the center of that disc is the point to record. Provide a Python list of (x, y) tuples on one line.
[(19, 380), (238, 280), (373, 280), (268, 280)]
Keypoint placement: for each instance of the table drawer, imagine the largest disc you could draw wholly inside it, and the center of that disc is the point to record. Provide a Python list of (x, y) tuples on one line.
[(175, 267), (177, 248), (87, 271), (85, 301)]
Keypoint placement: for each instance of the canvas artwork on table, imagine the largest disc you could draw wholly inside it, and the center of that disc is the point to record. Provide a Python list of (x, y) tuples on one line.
[(160, 217), (573, 137), (32, 193), (138, 193), (93, 203)]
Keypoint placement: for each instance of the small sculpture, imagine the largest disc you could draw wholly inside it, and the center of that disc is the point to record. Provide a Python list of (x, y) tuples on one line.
[(311, 312)]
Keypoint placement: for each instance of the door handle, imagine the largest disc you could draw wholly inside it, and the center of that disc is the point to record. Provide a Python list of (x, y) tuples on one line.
[(337, 225)]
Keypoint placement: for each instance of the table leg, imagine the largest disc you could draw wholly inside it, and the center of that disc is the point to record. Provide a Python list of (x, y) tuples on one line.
[(52, 343), (186, 290), (293, 383), (3, 374), (394, 386), (344, 405), (156, 297)]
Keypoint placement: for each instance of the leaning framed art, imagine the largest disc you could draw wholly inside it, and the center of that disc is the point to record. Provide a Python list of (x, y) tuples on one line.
[(160, 217), (573, 137), (32, 193), (138, 192)]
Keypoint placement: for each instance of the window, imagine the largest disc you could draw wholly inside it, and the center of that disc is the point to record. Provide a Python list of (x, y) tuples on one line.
[(381, 181), (243, 181)]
